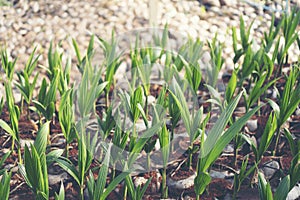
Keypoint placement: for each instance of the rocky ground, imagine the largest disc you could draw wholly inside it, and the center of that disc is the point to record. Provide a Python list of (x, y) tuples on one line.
[(25, 24)]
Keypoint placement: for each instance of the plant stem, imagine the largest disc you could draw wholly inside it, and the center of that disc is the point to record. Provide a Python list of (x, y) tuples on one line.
[(107, 99), (148, 162), (125, 192), (172, 137), (235, 154), (81, 192), (190, 155), (19, 154), (113, 172), (28, 111), (164, 184), (22, 104), (12, 144), (67, 150), (277, 141)]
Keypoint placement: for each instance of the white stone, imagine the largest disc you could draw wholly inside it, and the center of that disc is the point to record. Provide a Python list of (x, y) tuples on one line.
[(294, 193), (270, 168), (182, 184)]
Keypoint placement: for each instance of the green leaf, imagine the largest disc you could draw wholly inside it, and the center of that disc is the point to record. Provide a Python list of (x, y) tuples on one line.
[(36, 171), (142, 192), (230, 89), (24, 175), (113, 184), (40, 142), (164, 40), (67, 165), (100, 184), (201, 182), (7, 129), (292, 144), (259, 89), (50, 109), (61, 195), (53, 155), (283, 189), (40, 107), (180, 100), (225, 138), (264, 188), (3, 159), (268, 135), (5, 185), (216, 132), (164, 140)]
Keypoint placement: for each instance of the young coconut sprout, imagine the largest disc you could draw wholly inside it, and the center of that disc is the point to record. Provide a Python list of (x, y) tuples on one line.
[(34, 170), (137, 147), (265, 191), (7, 65), (294, 170), (270, 37), (245, 40), (2, 160), (136, 193), (14, 116), (99, 190), (112, 63), (26, 88), (216, 61), (290, 34), (86, 149), (259, 151), (288, 101), (164, 140), (192, 123), (61, 194), (216, 141), (5, 185), (67, 119)]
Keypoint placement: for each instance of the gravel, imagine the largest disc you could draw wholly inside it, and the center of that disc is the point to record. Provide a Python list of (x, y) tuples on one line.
[(30, 23)]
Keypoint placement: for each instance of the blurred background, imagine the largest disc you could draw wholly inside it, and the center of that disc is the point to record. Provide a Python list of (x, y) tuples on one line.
[(25, 24)]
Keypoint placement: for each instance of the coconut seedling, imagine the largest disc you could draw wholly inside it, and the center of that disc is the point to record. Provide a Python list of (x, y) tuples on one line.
[(192, 123), (133, 105), (7, 65), (216, 61), (45, 104), (34, 170), (259, 151), (24, 85), (67, 119), (164, 141), (138, 192), (216, 141), (86, 149), (14, 116), (112, 62), (2, 160), (294, 170), (5, 185), (270, 36), (290, 35), (61, 194), (265, 191), (288, 101), (245, 40), (99, 190)]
